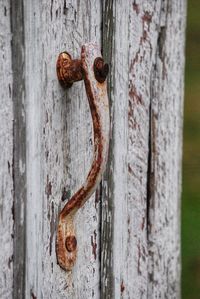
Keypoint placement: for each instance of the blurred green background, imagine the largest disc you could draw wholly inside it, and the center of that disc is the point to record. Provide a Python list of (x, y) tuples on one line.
[(191, 159)]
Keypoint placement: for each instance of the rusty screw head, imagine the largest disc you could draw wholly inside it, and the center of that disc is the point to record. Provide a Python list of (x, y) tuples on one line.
[(70, 243), (64, 60), (101, 69)]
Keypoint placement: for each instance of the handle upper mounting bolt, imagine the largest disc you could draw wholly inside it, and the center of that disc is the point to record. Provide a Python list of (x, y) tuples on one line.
[(101, 69)]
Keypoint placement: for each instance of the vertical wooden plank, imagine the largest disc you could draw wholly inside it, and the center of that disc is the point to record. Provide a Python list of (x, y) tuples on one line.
[(128, 259), (59, 148), (166, 153), (120, 141), (19, 149), (144, 18), (6, 157), (142, 183), (129, 159)]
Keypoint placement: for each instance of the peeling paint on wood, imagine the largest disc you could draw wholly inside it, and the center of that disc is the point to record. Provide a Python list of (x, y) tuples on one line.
[(143, 34), (166, 152), (59, 147), (130, 245), (134, 56), (6, 156)]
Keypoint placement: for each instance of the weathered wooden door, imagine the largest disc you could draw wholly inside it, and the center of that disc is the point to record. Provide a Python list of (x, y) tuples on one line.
[(129, 231)]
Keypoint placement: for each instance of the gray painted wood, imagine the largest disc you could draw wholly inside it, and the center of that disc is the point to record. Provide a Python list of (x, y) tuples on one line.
[(144, 221), (144, 18), (6, 156), (128, 234), (59, 148), (165, 154)]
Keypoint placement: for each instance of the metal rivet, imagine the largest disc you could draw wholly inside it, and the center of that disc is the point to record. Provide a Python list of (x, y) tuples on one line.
[(71, 243), (101, 69)]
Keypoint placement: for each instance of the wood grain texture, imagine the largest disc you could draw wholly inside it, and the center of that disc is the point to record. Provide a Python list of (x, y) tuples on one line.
[(166, 152), (106, 188), (120, 61), (19, 147), (128, 234), (59, 148), (6, 157), (129, 160), (129, 249), (144, 17)]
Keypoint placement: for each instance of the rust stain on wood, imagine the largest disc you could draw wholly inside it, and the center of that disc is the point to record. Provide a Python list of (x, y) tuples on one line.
[(147, 18), (33, 296), (136, 8), (94, 245), (122, 287), (48, 188), (134, 95)]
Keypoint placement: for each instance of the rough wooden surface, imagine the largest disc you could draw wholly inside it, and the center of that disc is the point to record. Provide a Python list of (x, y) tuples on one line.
[(143, 34), (166, 153), (19, 148), (128, 234), (142, 264), (59, 148), (6, 156), (106, 188)]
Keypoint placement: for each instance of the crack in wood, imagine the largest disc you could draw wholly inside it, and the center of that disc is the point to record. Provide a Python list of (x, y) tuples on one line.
[(107, 280), (19, 147)]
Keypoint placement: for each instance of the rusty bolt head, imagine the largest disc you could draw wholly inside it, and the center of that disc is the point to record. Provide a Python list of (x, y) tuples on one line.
[(101, 69), (70, 243), (64, 60)]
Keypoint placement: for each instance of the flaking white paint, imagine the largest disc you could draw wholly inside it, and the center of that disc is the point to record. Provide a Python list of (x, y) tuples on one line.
[(146, 123), (6, 156), (59, 148)]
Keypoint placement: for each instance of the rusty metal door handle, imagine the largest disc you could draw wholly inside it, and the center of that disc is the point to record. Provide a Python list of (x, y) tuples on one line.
[(92, 69)]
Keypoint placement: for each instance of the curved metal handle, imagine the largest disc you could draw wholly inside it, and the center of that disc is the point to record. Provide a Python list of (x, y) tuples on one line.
[(92, 69)]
